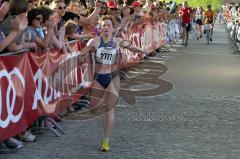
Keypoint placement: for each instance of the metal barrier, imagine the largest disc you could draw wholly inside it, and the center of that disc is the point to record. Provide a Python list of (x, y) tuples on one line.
[(233, 30)]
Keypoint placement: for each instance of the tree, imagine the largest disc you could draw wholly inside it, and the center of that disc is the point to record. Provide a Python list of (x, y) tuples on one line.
[(216, 4)]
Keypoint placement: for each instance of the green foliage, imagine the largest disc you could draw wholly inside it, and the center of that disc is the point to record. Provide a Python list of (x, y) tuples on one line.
[(216, 4)]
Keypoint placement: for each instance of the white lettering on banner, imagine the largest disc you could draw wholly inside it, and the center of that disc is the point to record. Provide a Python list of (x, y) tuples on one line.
[(54, 88), (71, 76), (147, 38), (134, 37), (49, 98), (156, 36), (37, 96), (53, 85), (61, 83), (163, 31), (11, 101), (135, 42), (57, 82)]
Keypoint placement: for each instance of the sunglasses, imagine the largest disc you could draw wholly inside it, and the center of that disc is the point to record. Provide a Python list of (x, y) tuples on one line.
[(62, 7), (76, 5)]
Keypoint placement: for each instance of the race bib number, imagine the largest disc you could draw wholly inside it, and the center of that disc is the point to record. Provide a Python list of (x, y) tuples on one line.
[(106, 55)]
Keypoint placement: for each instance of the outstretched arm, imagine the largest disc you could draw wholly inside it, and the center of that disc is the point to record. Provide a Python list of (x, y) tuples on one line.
[(91, 19), (135, 49), (85, 56), (204, 17), (94, 14), (127, 45), (90, 45)]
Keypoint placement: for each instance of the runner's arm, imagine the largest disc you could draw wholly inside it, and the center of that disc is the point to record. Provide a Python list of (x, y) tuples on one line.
[(129, 47), (90, 45), (83, 57), (135, 49), (180, 13), (204, 17)]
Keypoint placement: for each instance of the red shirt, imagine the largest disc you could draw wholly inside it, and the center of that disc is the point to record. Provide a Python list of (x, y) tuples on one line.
[(186, 12)]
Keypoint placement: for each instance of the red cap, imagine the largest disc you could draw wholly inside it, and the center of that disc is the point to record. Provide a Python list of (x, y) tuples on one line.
[(111, 5), (136, 4)]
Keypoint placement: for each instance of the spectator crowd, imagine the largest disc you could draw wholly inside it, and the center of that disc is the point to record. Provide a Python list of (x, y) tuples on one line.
[(40, 24)]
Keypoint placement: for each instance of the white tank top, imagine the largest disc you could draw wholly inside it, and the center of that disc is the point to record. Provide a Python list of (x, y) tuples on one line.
[(106, 53)]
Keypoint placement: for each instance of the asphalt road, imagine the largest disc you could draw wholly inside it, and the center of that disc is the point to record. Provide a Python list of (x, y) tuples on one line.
[(196, 118)]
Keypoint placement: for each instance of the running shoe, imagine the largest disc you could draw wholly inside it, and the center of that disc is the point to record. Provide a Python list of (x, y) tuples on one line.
[(28, 137), (13, 143), (105, 146), (210, 39), (49, 124), (10, 144), (3, 149)]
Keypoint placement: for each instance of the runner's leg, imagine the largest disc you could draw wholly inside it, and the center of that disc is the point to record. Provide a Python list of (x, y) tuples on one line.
[(184, 35), (198, 30), (211, 32), (188, 28), (111, 101)]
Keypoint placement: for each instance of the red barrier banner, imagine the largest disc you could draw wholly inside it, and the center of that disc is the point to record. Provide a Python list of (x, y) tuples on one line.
[(34, 85), (147, 37)]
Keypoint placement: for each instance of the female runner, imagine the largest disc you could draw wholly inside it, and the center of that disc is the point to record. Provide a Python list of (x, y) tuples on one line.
[(106, 69)]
